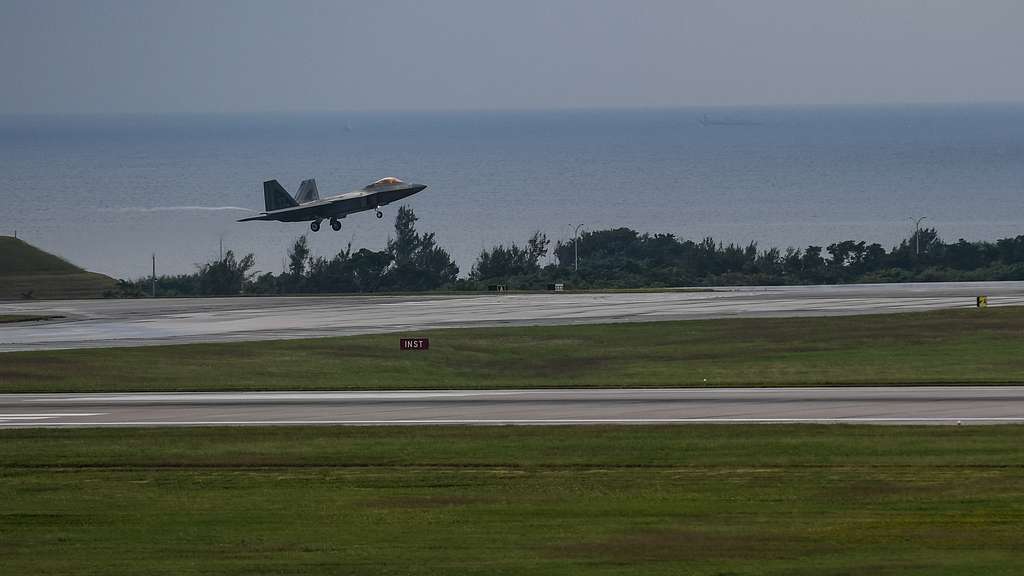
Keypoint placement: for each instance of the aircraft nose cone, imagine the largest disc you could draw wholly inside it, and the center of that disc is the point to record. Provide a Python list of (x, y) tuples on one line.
[(418, 187)]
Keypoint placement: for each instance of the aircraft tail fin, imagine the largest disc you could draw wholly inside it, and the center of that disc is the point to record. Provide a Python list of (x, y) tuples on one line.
[(276, 197), (307, 192)]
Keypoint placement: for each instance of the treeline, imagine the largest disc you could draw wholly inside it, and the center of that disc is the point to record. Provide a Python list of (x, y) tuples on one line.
[(624, 258), (410, 262), (617, 258)]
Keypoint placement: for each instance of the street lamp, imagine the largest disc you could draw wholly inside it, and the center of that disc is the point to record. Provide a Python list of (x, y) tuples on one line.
[(917, 234), (576, 247)]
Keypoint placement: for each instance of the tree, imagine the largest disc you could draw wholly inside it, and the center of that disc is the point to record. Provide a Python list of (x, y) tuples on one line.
[(434, 264), (368, 269), (416, 261), (406, 241), (769, 262), (503, 263), (792, 262), (811, 261), (874, 257), (297, 256), (1011, 250), (536, 248), (965, 255), (225, 276), (334, 275), (922, 242)]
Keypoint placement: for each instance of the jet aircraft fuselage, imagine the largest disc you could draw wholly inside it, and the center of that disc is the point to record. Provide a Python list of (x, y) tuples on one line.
[(307, 206)]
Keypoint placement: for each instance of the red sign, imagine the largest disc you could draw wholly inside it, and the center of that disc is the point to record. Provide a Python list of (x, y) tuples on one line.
[(414, 343)]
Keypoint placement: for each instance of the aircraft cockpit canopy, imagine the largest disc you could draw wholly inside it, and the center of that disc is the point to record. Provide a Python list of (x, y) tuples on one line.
[(388, 181)]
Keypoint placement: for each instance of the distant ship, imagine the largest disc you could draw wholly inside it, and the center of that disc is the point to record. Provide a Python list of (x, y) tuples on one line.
[(706, 120)]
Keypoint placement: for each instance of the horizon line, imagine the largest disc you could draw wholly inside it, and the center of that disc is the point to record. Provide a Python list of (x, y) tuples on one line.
[(507, 110)]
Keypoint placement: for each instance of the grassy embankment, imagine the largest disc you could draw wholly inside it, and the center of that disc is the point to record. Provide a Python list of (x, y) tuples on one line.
[(26, 271), (626, 500), (958, 346)]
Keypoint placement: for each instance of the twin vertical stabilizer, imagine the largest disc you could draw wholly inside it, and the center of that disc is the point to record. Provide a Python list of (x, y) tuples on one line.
[(276, 197), (307, 192)]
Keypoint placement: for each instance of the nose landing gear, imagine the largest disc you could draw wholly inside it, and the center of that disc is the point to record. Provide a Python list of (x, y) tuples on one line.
[(379, 213)]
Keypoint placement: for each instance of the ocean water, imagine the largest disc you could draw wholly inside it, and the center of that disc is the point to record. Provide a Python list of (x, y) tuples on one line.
[(107, 192)]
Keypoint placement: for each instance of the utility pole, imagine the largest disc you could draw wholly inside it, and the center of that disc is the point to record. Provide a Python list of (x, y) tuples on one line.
[(154, 275), (576, 248), (221, 247), (917, 235)]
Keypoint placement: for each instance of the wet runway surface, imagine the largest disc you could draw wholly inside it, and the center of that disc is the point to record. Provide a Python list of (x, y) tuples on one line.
[(105, 323), (861, 405)]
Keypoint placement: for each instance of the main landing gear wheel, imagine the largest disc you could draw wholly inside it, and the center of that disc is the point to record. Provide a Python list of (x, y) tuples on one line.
[(380, 214), (314, 225), (335, 225)]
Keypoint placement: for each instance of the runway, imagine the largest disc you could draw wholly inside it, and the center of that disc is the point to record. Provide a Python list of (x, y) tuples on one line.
[(106, 323), (861, 405)]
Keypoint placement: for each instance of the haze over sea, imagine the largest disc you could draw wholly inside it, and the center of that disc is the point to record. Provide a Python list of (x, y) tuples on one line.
[(107, 192)]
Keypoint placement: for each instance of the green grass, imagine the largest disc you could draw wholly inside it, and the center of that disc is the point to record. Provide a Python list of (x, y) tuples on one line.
[(20, 257), (27, 270), (750, 500), (959, 346), (72, 286)]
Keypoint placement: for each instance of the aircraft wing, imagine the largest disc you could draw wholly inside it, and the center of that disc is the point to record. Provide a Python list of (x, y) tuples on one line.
[(310, 211)]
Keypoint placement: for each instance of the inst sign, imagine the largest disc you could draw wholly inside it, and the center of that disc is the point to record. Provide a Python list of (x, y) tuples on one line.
[(414, 343)]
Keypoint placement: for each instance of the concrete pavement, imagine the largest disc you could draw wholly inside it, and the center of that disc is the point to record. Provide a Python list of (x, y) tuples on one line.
[(106, 323), (861, 405)]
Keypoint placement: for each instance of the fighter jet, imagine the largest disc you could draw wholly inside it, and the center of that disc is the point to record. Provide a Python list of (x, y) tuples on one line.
[(308, 207)]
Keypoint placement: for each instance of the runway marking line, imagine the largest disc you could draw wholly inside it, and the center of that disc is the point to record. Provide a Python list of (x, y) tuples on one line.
[(13, 418), (53, 415)]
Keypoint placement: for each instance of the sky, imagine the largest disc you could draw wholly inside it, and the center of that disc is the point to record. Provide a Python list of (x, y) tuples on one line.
[(136, 56)]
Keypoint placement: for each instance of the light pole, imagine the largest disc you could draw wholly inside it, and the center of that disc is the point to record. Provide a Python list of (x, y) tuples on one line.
[(917, 234), (576, 248)]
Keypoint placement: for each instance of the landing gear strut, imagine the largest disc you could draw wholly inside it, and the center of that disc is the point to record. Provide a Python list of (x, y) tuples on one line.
[(314, 225), (335, 225)]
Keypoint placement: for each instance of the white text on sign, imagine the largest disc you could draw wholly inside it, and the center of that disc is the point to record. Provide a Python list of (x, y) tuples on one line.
[(414, 343)]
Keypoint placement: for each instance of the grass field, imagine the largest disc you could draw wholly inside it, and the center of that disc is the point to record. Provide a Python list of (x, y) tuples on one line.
[(70, 286), (958, 346), (20, 257), (28, 271), (747, 500)]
